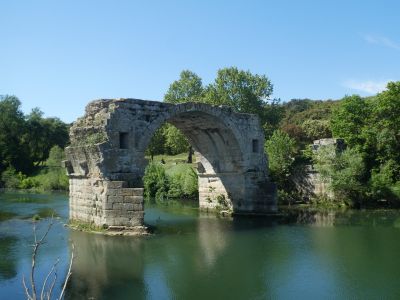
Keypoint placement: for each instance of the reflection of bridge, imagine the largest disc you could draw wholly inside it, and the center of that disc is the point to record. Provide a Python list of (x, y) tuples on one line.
[(105, 161)]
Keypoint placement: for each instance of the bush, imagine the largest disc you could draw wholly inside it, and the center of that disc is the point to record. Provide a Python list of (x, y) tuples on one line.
[(180, 181), (156, 182), (343, 172), (191, 184), (281, 152), (383, 184), (11, 179), (53, 177)]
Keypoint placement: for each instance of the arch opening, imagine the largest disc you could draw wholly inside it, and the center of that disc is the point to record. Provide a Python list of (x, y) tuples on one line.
[(217, 154)]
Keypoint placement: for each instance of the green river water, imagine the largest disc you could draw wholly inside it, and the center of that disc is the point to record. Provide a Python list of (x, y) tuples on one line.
[(298, 255)]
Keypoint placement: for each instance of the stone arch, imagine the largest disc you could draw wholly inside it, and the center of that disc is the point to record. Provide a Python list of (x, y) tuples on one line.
[(106, 158)]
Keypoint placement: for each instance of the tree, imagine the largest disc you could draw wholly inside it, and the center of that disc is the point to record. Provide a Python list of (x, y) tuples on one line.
[(343, 171), (12, 128), (349, 119), (157, 143), (43, 134), (242, 90), (175, 141), (281, 150), (188, 88), (316, 129), (386, 121)]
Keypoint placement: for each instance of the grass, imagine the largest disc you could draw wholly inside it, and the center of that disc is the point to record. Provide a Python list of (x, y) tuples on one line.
[(173, 160), (86, 227)]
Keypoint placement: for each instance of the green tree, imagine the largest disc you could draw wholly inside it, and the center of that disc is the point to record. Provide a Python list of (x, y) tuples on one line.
[(175, 141), (316, 129), (188, 88), (386, 121), (43, 134), (242, 90), (343, 172), (349, 119), (157, 143), (12, 128), (281, 150)]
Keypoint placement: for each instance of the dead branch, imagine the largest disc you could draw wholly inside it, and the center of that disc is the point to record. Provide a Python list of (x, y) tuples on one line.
[(45, 294)]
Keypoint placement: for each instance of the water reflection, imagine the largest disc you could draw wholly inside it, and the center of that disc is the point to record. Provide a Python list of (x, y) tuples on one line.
[(8, 259), (213, 238), (299, 254), (103, 264)]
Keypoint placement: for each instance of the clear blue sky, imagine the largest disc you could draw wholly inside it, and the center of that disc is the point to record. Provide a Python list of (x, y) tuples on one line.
[(59, 55)]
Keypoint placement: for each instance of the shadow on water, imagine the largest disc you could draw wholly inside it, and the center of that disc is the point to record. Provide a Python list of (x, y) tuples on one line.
[(8, 260)]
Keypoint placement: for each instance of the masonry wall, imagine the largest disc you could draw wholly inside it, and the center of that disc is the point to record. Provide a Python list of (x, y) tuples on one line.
[(105, 203)]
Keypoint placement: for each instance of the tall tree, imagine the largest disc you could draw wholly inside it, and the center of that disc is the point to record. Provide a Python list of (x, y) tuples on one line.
[(188, 88), (242, 90), (12, 128), (349, 119)]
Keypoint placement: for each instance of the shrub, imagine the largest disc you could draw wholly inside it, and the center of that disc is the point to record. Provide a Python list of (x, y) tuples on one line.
[(11, 179), (191, 184), (343, 172), (281, 155), (156, 182), (383, 184)]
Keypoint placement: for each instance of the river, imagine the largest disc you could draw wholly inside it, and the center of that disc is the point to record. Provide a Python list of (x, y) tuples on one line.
[(308, 255)]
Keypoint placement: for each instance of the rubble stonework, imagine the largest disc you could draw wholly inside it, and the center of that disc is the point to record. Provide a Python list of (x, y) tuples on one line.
[(106, 159)]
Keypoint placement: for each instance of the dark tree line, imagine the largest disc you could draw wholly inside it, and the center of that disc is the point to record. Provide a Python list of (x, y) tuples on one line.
[(26, 140)]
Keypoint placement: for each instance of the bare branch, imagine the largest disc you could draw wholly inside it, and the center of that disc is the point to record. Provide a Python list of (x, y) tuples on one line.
[(34, 252), (36, 247), (47, 277), (52, 286), (45, 293), (68, 274), (28, 296)]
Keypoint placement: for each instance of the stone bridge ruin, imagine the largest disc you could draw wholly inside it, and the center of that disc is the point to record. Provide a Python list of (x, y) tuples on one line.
[(106, 159)]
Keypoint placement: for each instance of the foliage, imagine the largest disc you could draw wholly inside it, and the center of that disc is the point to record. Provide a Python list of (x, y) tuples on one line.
[(157, 143), (11, 179), (242, 90), (316, 129), (156, 183), (281, 154), (12, 128), (178, 181), (175, 141), (349, 118), (343, 171), (25, 141), (384, 185), (188, 88), (306, 120), (51, 177)]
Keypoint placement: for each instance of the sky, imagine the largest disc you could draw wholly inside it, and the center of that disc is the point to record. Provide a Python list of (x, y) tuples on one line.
[(60, 55)]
